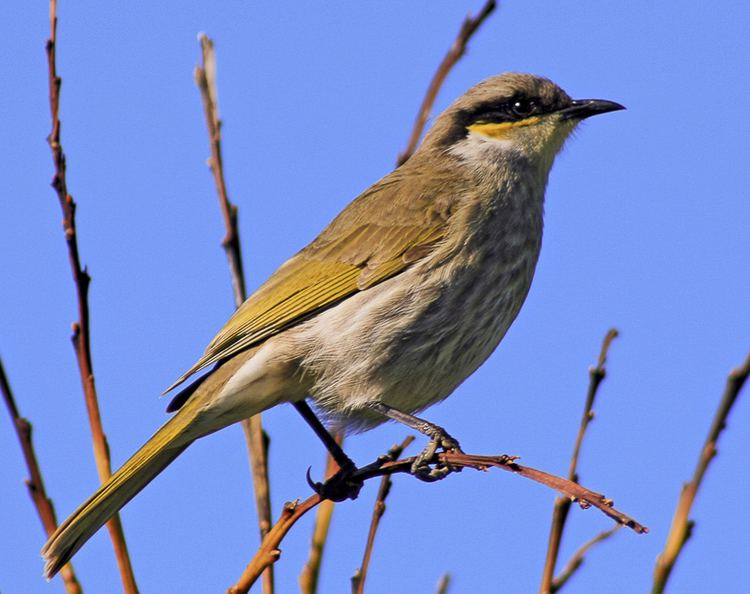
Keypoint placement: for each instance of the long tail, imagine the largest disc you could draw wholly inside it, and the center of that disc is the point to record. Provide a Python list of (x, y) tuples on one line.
[(158, 452), (194, 419)]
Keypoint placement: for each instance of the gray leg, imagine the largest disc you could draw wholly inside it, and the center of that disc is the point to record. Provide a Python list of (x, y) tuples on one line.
[(439, 438)]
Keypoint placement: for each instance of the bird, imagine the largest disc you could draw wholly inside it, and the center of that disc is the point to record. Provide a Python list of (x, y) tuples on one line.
[(394, 304)]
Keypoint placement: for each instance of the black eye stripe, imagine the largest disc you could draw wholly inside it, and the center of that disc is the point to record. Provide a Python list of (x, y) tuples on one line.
[(509, 110), (499, 111)]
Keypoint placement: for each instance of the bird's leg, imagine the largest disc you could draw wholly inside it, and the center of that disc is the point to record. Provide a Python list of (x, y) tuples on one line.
[(439, 438), (340, 486), (329, 442)]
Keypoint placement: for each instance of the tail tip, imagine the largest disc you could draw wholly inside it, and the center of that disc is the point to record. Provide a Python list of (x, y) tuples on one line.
[(52, 562), (49, 570)]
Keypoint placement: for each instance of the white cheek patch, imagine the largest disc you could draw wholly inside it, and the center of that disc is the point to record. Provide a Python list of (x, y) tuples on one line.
[(478, 147)]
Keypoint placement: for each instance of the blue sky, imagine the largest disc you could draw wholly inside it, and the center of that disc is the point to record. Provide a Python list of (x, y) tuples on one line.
[(646, 229)]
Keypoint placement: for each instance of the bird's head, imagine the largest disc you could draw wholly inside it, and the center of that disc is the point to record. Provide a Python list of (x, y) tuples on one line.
[(512, 115)]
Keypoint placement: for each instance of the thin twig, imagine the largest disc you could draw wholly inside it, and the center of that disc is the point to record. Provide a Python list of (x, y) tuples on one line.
[(35, 483), (308, 579), (469, 26), (443, 584), (560, 511), (567, 488), (578, 558), (257, 440), (269, 552), (596, 376), (358, 581), (205, 78), (81, 334), (682, 526)]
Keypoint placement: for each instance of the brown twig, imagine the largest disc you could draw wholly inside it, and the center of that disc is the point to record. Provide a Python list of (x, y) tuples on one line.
[(35, 483), (578, 558), (560, 511), (469, 26), (682, 526), (205, 78), (269, 552), (358, 581), (567, 488), (443, 584), (81, 335), (308, 579), (257, 440)]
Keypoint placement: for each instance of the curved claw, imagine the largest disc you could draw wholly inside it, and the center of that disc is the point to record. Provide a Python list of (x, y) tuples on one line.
[(339, 487), (317, 487)]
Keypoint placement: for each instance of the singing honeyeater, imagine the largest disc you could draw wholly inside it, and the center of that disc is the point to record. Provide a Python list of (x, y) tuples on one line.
[(397, 301)]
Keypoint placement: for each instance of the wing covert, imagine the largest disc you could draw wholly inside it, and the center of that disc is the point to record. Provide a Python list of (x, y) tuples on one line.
[(355, 252)]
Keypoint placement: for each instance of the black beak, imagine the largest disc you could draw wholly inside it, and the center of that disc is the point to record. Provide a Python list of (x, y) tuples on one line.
[(584, 108)]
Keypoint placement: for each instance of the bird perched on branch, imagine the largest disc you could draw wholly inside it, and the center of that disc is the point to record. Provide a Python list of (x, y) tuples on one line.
[(405, 293)]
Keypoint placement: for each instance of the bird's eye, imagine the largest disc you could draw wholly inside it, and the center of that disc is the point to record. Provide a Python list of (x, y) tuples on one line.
[(523, 107)]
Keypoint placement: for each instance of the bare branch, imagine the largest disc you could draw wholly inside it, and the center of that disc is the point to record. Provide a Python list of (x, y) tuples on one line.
[(257, 440), (377, 513), (81, 334), (578, 558), (269, 551), (562, 504), (596, 376), (308, 579), (205, 78), (681, 528), (443, 584), (573, 491), (34, 483), (469, 26)]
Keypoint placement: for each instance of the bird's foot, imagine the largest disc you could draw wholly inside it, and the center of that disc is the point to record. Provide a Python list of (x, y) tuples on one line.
[(421, 467), (439, 438), (339, 487)]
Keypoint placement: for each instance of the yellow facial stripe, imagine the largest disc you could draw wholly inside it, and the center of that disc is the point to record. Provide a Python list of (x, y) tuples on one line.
[(500, 130)]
